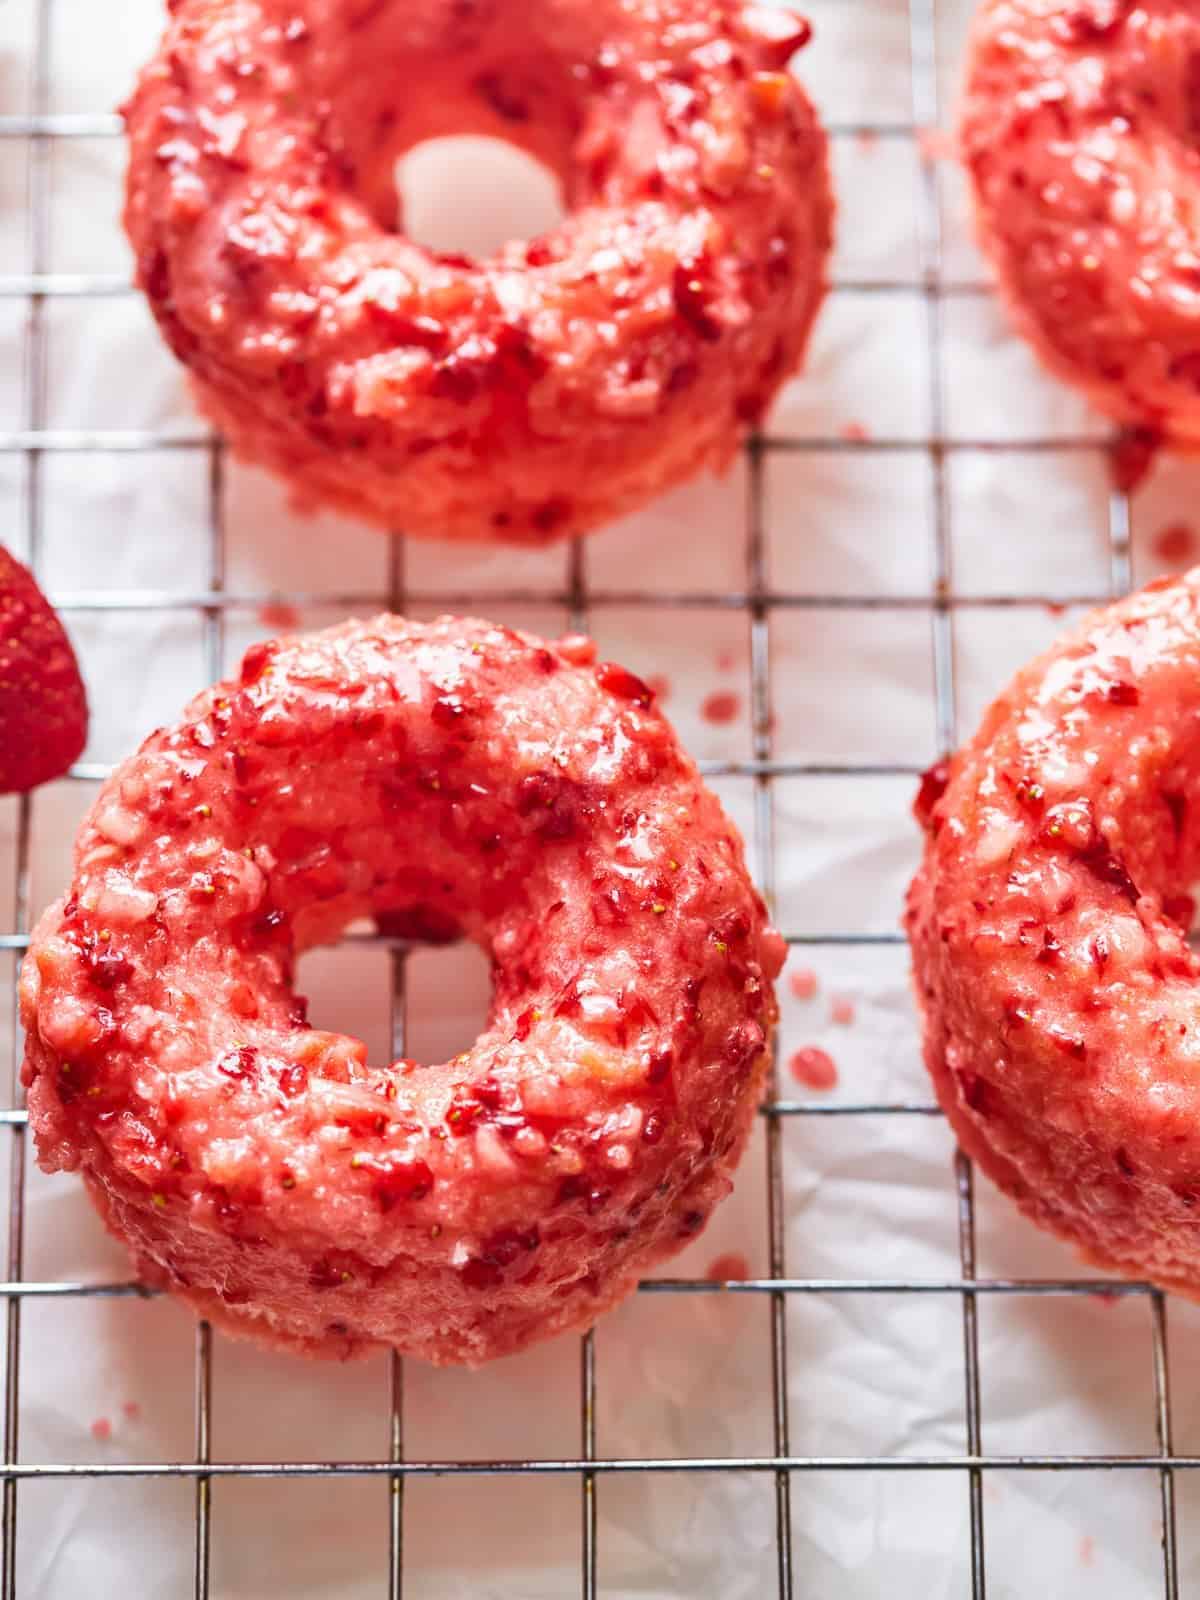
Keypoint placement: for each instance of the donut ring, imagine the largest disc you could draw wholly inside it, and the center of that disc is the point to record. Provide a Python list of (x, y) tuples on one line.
[(1081, 134), (1058, 991), (559, 383), (450, 778)]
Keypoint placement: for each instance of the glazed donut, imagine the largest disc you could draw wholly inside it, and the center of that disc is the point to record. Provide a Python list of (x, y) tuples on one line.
[(553, 386), (450, 779), (1079, 131), (1048, 928)]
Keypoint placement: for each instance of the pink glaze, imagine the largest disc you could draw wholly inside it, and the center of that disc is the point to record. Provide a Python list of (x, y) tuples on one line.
[(278, 614), (814, 1068), (447, 779), (1079, 131), (551, 387), (721, 706), (1176, 544), (729, 1268), (1058, 992), (803, 984)]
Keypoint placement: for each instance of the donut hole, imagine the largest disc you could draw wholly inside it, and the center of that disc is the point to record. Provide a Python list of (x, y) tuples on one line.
[(469, 194), (448, 992), (346, 989), (463, 163), (1159, 832), (440, 1004)]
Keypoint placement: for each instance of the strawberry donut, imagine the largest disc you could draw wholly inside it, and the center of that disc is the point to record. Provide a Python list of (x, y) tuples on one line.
[(1081, 134), (550, 387), (1060, 997), (450, 779)]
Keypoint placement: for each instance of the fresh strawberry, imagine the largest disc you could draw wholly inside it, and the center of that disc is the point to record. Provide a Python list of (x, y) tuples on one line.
[(43, 706)]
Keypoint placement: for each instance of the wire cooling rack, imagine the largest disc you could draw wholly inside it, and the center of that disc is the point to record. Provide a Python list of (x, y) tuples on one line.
[(36, 133)]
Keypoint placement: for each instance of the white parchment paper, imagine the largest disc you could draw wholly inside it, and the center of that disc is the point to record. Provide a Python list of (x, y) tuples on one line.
[(868, 1197)]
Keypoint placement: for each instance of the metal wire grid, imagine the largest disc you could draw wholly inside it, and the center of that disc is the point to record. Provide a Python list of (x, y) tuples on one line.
[(757, 600)]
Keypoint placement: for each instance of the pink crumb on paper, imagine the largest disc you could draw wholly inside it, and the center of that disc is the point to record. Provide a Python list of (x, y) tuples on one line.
[(866, 139), (726, 660), (1055, 608), (1087, 1550), (279, 615), (1175, 544), (729, 1268), (814, 1068), (854, 431), (803, 984), (842, 1012), (132, 1410), (936, 144), (722, 706), (102, 1429)]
